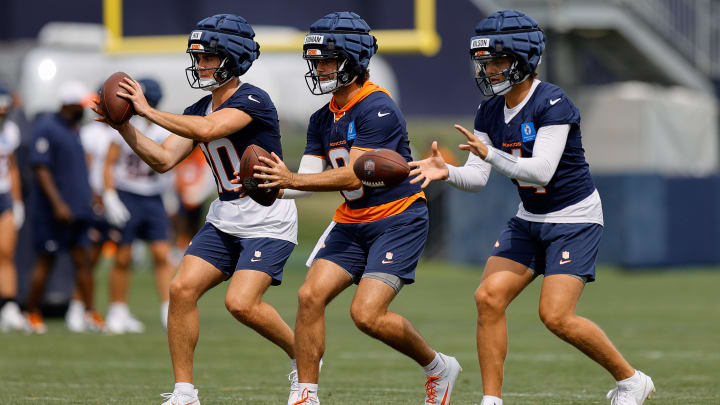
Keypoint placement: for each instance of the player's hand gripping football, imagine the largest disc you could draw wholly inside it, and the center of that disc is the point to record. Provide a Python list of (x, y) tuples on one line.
[(474, 145), (276, 172), (135, 95), (429, 169), (102, 118)]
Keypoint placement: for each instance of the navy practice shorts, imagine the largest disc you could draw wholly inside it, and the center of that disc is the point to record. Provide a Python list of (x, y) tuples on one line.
[(229, 253), (391, 245), (148, 219), (6, 202), (548, 248), (51, 236)]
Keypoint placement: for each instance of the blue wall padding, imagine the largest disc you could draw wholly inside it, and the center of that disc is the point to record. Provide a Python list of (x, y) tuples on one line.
[(650, 220)]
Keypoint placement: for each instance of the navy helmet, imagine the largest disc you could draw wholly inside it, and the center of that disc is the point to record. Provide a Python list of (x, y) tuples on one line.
[(506, 34), (231, 38), (344, 37), (152, 90)]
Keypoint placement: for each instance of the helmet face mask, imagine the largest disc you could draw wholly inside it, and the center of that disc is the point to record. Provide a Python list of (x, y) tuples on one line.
[(220, 74), (509, 74), (328, 82)]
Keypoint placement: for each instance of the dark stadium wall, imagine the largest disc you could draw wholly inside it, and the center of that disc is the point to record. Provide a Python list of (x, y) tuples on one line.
[(438, 85)]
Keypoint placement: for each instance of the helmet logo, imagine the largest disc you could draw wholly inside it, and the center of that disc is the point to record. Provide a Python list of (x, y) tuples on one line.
[(313, 52), (195, 35), (313, 39), (197, 47), (480, 43)]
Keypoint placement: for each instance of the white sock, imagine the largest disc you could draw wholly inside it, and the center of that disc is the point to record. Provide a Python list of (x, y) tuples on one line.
[(293, 363), (164, 306), (118, 308), (491, 400), (436, 366), (312, 388), (185, 388)]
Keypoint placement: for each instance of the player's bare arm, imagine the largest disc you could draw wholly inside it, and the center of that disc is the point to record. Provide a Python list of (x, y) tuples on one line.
[(429, 169), (342, 178), (198, 128), (160, 157)]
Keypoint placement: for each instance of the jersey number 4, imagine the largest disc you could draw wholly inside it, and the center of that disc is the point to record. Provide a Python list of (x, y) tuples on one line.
[(517, 152)]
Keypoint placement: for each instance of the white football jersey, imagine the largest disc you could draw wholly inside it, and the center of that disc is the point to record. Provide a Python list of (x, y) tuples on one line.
[(9, 141), (244, 218), (131, 173), (96, 137)]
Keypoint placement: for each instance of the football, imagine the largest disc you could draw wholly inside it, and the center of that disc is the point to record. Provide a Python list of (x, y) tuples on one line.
[(249, 159), (117, 109), (381, 168)]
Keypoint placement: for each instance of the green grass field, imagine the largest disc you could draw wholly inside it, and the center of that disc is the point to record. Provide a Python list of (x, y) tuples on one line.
[(665, 323)]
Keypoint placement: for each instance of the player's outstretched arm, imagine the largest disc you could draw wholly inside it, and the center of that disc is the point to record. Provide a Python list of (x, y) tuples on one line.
[(160, 158), (342, 178), (203, 129)]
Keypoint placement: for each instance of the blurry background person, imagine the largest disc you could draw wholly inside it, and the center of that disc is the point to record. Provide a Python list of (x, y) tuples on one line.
[(96, 138), (133, 202), (12, 216), (61, 208)]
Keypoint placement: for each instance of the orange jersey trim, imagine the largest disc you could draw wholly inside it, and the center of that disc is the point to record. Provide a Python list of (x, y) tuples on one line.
[(347, 215), (367, 89), (363, 149)]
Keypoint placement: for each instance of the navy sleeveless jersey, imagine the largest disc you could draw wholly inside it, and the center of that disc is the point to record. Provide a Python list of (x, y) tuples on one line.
[(548, 105), (374, 122), (223, 155)]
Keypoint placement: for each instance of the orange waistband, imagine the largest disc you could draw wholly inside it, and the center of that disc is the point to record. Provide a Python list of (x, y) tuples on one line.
[(347, 215)]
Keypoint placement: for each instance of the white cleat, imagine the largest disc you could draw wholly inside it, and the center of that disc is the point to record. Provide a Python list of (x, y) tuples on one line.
[(115, 323), (132, 324), (306, 398), (633, 391), (12, 319), (438, 389), (179, 398), (75, 317), (294, 385)]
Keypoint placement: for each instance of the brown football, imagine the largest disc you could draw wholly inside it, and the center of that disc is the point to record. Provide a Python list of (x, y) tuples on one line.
[(117, 109), (249, 159), (381, 168)]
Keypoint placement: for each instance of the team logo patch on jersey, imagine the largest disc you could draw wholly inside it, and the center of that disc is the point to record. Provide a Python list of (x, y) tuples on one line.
[(352, 133), (528, 131), (314, 39)]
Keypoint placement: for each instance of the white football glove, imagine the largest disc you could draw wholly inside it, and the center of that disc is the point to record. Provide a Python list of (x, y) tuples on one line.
[(18, 214), (115, 211)]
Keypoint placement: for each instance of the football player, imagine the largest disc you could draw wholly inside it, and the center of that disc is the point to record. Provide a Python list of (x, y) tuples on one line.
[(12, 216), (378, 234), (133, 203), (61, 210), (530, 131), (242, 241)]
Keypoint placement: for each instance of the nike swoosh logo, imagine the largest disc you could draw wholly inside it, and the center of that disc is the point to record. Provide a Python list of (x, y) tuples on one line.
[(564, 262), (386, 261), (257, 101), (445, 396), (382, 115), (255, 260), (553, 102)]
